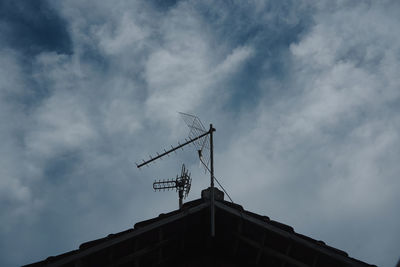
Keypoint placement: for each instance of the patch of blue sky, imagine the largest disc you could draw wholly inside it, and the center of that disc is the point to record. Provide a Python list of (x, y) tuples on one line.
[(164, 4), (30, 28), (33, 27), (269, 38), (270, 62), (57, 169)]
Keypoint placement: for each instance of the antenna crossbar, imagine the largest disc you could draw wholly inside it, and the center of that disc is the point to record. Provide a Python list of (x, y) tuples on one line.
[(174, 148), (161, 185)]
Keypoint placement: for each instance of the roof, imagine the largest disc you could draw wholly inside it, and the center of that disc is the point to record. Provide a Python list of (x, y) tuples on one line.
[(182, 238)]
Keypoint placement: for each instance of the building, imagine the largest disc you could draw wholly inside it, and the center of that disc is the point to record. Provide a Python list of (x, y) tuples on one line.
[(182, 238)]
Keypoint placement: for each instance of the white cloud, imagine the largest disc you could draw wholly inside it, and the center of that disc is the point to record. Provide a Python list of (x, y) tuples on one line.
[(125, 36), (318, 148), (331, 146)]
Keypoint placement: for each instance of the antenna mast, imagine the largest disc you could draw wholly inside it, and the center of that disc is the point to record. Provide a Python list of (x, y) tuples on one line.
[(212, 182)]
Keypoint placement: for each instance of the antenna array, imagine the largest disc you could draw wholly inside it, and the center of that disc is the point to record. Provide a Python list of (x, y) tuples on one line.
[(203, 140)]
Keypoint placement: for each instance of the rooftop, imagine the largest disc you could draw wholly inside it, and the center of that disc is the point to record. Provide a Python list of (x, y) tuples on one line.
[(182, 238)]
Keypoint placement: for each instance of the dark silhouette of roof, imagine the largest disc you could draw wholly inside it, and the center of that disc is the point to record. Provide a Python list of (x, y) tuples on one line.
[(182, 238)]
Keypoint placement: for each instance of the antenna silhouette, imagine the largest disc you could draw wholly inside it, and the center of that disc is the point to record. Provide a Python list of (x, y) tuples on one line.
[(203, 140), (181, 184)]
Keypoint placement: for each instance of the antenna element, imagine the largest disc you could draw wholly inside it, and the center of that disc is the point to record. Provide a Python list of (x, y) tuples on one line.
[(181, 184)]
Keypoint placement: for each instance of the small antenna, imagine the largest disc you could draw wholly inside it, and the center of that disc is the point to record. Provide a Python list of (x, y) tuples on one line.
[(181, 184)]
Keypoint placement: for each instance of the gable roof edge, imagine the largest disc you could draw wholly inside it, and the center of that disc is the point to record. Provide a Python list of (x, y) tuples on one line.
[(291, 236), (108, 243)]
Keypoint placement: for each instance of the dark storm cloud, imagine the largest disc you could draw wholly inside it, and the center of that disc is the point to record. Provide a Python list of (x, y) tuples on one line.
[(306, 110)]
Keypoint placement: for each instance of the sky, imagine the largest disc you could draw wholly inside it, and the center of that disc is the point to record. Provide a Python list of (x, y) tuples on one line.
[(304, 96)]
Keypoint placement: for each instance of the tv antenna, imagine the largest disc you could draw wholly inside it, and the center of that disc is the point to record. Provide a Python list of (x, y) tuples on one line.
[(203, 140), (180, 183)]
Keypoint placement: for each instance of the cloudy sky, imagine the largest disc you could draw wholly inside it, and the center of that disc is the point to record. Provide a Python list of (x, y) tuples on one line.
[(304, 95)]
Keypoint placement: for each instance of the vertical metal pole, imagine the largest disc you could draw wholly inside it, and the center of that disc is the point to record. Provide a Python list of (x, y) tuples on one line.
[(212, 182), (180, 198)]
